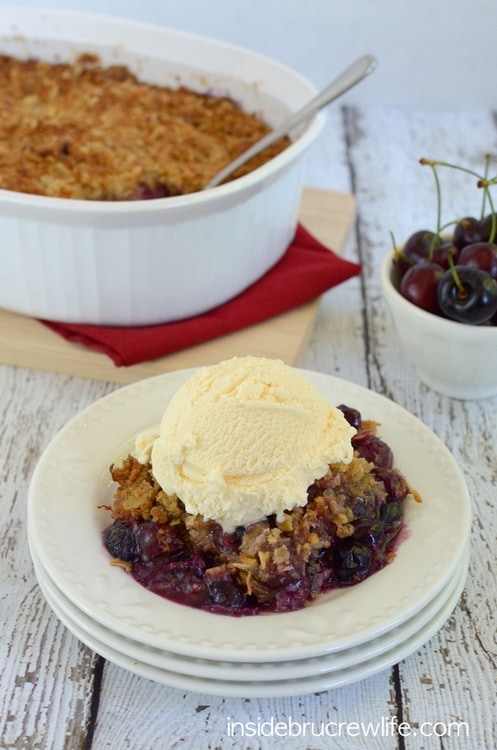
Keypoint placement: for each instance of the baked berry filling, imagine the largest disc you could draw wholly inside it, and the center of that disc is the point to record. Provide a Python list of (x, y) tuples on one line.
[(346, 532)]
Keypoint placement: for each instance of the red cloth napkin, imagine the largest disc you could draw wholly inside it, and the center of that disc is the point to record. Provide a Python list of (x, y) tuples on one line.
[(306, 271)]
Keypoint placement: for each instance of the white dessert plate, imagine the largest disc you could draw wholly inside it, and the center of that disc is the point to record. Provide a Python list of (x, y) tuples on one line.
[(66, 520), (359, 669), (245, 671)]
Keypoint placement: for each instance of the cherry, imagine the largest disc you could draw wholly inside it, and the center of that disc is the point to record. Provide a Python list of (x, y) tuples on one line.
[(470, 230), (480, 255), (419, 285), (468, 295), (442, 252), (457, 277), (420, 246)]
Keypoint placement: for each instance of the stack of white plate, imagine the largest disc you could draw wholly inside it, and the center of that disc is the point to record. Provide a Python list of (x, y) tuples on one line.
[(344, 636)]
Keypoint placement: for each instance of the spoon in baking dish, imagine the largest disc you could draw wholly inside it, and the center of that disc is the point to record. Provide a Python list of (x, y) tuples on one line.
[(352, 75)]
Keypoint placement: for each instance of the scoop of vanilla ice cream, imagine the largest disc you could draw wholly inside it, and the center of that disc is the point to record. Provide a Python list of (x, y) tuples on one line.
[(245, 438), (144, 442)]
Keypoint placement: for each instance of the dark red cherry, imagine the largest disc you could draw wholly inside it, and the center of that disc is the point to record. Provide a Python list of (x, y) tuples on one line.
[(472, 299), (419, 285), (480, 255), (420, 246), (470, 230), (442, 252)]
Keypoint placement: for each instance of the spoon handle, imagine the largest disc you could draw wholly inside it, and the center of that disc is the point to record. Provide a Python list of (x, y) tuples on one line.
[(352, 75)]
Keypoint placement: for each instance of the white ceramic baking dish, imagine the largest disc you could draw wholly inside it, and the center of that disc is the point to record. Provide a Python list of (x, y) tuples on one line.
[(145, 262)]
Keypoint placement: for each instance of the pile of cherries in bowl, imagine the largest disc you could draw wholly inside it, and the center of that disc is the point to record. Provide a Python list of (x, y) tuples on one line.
[(453, 274)]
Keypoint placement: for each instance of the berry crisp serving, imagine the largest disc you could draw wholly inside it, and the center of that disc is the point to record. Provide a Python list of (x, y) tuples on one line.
[(348, 530)]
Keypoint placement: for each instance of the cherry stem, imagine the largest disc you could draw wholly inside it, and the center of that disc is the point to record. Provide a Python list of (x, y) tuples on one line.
[(450, 224), (483, 182), (485, 192), (398, 254), (433, 164), (455, 275), (493, 229)]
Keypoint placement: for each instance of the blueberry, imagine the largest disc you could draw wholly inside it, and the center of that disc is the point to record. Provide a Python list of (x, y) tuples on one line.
[(226, 594), (353, 416), (372, 535), (353, 563), (391, 512), (120, 541)]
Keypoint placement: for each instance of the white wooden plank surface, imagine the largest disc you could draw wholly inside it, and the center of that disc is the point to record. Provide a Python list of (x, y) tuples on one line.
[(49, 686)]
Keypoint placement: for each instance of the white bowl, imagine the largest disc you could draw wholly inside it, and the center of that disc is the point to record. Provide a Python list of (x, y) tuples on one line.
[(145, 262), (455, 359)]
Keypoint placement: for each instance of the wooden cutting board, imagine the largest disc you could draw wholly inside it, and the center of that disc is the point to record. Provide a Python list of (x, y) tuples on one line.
[(26, 342)]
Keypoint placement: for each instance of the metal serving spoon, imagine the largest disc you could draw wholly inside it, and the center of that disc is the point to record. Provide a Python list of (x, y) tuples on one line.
[(352, 75)]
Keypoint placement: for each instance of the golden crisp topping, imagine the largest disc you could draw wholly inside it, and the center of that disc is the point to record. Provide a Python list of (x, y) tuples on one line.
[(136, 491), (116, 562), (88, 132), (139, 495)]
